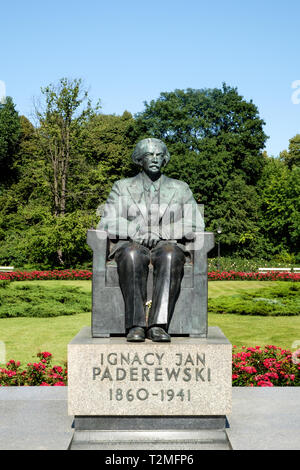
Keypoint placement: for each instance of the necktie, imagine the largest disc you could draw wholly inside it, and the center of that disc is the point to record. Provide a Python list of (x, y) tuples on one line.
[(152, 192)]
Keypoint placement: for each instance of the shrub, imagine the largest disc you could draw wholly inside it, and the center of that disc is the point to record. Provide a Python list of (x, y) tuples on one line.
[(81, 274), (252, 276), (31, 300), (250, 265), (40, 373), (275, 301), (267, 367), (66, 274), (4, 283)]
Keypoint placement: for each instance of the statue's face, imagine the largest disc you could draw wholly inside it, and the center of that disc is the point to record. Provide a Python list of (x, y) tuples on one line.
[(153, 159)]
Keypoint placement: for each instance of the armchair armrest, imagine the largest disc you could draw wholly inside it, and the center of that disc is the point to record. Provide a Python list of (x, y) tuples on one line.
[(97, 240), (203, 241)]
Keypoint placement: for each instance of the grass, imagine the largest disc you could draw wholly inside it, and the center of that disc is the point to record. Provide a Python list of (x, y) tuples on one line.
[(24, 337), (257, 330)]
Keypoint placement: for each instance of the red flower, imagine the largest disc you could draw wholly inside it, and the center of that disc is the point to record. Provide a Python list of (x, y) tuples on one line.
[(249, 369), (46, 354), (264, 383)]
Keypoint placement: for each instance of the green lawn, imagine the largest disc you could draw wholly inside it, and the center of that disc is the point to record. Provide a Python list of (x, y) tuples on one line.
[(24, 337)]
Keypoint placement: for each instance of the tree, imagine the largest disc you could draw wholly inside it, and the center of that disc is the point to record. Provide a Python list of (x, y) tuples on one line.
[(216, 140), (108, 145), (237, 213), (190, 119), (280, 205), (67, 108), (59, 132), (292, 156), (9, 138), (32, 234)]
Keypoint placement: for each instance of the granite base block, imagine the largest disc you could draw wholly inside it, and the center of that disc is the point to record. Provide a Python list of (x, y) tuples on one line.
[(187, 377), (149, 395)]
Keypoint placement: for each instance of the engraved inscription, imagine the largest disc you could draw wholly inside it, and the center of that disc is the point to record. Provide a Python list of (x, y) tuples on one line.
[(157, 374), (149, 369), (143, 394)]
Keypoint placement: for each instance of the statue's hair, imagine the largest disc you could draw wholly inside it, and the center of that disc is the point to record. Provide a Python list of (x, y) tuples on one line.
[(142, 147)]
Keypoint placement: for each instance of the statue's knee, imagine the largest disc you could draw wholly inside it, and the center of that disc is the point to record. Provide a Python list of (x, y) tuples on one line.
[(171, 252), (135, 252)]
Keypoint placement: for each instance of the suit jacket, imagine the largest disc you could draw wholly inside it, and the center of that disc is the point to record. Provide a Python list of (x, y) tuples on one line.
[(173, 214)]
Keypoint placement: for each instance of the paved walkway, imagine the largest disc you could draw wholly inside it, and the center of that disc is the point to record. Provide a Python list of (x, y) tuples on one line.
[(262, 418)]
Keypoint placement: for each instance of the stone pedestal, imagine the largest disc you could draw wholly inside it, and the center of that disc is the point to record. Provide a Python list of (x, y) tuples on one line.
[(152, 394)]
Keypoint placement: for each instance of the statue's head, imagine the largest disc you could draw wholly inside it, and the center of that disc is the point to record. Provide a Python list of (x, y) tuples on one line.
[(151, 153)]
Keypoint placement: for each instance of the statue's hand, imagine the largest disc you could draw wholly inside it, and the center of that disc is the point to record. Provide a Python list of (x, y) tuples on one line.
[(153, 239), (149, 239)]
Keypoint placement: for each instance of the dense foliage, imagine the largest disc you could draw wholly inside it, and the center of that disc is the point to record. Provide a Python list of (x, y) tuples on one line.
[(216, 139), (272, 301), (55, 174), (270, 366), (249, 276), (9, 139), (65, 274), (41, 373), (36, 300), (56, 274), (248, 265), (31, 300)]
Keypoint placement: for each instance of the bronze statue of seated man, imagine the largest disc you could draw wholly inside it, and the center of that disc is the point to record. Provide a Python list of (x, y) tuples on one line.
[(149, 218)]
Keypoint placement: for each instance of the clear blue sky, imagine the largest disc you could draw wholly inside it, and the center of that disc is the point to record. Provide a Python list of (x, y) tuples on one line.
[(128, 51)]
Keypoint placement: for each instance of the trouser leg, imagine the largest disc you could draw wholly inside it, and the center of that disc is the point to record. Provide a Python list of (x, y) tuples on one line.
[(168, 265), (133, 266)]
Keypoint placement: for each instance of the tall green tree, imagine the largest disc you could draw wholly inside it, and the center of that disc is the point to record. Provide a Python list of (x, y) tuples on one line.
[(237, 213), (66, 109), (9, 138), (280, 206), (108, 145), (216, 139), (291, 156)]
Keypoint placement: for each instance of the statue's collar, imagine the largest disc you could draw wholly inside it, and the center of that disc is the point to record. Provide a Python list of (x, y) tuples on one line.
[(142, 180), (147, 182)]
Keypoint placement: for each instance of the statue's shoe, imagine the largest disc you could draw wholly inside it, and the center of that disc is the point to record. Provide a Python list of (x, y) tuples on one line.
[(136, 334), (158, 335)]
